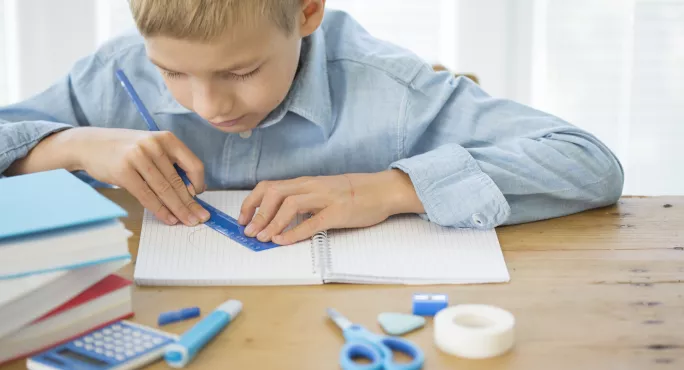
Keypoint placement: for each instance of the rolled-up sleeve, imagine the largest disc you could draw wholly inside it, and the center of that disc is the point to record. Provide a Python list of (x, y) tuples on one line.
[(72, 101), (479, 162)]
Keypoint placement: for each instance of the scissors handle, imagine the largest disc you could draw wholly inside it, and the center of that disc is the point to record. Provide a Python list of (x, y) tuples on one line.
[(380, 353), (353, 351)]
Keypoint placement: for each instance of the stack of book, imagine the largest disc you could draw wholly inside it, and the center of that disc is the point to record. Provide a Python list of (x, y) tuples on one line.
[(61, 243)]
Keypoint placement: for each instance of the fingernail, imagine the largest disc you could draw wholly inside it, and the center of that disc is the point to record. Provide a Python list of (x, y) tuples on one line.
[(241, 219), (173, 220), (262, 236), (250, 229), (191, 189), (204, 214), (193, 220)]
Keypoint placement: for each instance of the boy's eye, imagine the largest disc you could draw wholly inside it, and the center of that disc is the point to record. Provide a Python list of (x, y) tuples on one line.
[(173, 75), (245, 76)]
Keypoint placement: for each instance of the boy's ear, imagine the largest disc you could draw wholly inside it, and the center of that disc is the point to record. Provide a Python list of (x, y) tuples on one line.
[(311, 16)]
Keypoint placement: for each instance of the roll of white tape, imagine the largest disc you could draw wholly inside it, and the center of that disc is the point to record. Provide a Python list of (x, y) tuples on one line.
[(474, 330)]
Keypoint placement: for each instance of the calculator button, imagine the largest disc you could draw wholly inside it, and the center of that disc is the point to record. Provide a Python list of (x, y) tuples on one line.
[(136, 333), (108, 339), (148, 345), (117, 335), (97, 335), (120, 358), (98, 343), (88, 339), (139, 349), (109, 346), (137, 341), (119, 349), (128, 344), (88, 347), (99, 350), (129, 353), (116, 327), (119, 342), (78, 343), (127, 330), (157, 340), (109, 353)]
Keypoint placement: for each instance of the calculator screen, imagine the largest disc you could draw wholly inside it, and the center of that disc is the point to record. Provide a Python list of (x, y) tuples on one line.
[(79, 357)]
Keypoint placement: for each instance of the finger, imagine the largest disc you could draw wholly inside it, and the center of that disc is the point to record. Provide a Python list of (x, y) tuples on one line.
[(291, 207), (186, 159), (271, 202), (164, 190), (186, 194), (132, 182), (255, 198), (319, 222), (252, 201)]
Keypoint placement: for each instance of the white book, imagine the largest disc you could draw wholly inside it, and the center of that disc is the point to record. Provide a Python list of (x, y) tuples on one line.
[(63, 249), (405, 249), (23, 300), (104, 302)]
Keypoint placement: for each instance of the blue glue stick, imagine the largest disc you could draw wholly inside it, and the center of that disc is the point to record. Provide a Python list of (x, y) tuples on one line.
[(180, 353), (173, 316)]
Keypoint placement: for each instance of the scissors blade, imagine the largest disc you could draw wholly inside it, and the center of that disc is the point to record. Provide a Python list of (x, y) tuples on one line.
[(339, 320)]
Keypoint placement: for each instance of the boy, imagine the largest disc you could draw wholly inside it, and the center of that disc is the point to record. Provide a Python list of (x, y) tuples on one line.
[(310, 111)]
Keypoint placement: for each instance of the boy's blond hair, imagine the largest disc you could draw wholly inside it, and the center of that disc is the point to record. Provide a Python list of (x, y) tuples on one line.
[(207, 19)]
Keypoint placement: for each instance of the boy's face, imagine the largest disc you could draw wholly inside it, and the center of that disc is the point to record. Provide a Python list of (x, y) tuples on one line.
[(234, 82)]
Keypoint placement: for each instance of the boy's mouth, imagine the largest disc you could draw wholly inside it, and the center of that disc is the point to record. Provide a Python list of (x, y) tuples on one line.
[(229, 123)]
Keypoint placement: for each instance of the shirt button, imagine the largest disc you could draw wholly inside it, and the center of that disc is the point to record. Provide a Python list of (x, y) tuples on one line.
[(478, 219), (246, 134)]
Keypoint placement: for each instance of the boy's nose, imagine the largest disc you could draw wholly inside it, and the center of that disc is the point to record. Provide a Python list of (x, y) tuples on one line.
[(210, 105)]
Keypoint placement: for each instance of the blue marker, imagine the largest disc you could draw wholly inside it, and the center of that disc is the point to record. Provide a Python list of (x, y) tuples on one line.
[(182, 352), (178, 315)]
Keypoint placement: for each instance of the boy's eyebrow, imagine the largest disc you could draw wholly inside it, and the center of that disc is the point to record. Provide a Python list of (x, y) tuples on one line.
[(237, 66)]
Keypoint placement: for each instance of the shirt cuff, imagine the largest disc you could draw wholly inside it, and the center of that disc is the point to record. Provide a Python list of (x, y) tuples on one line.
[(454, 190)]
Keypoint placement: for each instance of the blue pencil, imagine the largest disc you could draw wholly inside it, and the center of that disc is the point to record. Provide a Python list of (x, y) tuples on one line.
[(145, 115)]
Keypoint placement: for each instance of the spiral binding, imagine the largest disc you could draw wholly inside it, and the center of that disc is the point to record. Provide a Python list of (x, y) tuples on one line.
[(319, 243)]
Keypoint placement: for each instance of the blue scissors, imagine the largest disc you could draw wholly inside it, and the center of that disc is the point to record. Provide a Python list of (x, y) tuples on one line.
[(361, 343)]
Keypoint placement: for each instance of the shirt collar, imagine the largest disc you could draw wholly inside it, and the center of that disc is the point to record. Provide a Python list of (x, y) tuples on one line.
[(309, 95)]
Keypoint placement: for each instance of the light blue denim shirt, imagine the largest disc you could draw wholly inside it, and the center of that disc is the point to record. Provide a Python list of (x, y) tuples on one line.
[(357, 104)]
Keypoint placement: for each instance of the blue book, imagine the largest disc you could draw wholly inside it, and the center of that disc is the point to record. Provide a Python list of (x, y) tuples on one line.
[(52, 220), (50, 200)]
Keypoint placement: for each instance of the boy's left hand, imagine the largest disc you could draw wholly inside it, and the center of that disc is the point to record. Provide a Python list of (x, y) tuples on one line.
[(341, 201)]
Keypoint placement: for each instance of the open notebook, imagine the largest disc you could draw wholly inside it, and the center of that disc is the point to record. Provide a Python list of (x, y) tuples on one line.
[(405, 249)]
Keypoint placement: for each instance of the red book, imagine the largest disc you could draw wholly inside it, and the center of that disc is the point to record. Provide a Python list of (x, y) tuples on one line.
[(106, 301)]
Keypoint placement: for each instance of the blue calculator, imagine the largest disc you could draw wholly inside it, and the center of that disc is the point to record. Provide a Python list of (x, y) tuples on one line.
[(122, 345)]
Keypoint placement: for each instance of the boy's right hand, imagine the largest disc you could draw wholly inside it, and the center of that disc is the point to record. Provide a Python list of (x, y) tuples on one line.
[(142, 163)]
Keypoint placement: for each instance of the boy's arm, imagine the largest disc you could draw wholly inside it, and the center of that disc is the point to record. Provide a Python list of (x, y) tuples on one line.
[(72, 101), (478, 161)]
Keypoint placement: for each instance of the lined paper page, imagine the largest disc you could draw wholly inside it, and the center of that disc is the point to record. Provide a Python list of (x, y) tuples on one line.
[(407, 249), (181, 255)]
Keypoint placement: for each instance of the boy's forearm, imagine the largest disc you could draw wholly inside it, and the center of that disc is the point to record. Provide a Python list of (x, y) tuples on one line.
[(52, 152)]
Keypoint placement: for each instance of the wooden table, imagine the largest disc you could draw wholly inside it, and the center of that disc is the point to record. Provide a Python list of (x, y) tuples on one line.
[(598, 290)]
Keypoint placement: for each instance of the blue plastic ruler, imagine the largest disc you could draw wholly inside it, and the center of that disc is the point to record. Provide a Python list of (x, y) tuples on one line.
[(229, 227)]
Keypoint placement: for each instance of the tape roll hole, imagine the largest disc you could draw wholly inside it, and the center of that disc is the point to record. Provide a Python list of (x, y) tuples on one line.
[(473, 321)]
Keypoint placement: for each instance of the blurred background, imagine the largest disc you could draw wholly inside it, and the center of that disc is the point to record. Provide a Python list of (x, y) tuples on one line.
[(613, 67)]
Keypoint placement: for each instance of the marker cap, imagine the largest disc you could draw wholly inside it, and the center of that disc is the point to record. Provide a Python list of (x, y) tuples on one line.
[(173, 316)]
